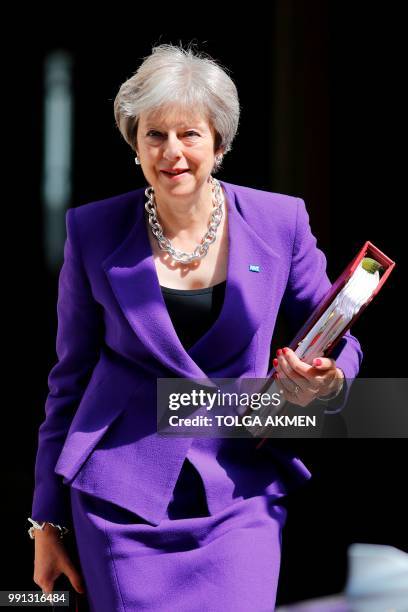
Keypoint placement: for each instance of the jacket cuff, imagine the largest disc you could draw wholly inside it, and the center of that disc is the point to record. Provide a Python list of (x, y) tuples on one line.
[(52, 502)]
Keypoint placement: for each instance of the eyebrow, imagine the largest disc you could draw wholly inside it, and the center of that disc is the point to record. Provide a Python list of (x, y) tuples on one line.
[(183, 126)]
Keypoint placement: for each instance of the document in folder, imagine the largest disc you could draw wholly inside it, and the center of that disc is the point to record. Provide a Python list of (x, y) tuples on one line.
[(345, 301)]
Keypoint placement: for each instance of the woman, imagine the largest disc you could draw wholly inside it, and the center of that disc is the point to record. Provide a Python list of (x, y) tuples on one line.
[(180, 279)]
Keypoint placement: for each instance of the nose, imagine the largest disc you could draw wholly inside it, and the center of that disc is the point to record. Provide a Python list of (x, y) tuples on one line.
[(172, 148)]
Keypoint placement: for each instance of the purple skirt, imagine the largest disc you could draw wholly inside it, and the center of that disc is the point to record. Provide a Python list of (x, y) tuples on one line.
[(191, 562)]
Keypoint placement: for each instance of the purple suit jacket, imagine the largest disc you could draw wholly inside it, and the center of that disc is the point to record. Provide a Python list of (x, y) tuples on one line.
[(115, 338)]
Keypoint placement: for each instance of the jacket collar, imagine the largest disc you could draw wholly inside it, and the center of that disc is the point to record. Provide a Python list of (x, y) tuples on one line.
[(131, 272)]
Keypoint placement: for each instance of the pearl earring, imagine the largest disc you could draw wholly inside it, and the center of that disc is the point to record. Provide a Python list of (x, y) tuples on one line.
[(137, 161)]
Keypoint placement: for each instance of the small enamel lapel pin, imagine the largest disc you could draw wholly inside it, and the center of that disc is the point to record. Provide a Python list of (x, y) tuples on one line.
[(254, 268)]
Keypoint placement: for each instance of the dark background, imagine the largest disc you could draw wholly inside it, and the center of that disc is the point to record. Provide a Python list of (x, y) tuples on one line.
[(320, 87)]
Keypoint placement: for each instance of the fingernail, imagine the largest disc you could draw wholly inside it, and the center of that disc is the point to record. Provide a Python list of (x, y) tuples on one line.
[(318, 362), (279, 352), (275, 362), (285, 350)]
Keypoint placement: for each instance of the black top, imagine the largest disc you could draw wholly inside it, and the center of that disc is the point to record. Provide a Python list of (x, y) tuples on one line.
[(193, 311)]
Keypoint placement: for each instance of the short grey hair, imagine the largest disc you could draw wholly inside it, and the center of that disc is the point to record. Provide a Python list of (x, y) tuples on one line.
[(172, 75)]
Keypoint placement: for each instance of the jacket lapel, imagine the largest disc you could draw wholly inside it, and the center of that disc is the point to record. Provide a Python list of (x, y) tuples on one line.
[(131, 272)]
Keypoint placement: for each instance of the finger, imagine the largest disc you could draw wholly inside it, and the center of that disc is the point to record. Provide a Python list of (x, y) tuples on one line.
[(324, 363), (325, 371), (288, 388), (286, 369), (301, 368), (313, 379), (47, 587), (293, 395), (75, 578), (283, 385)]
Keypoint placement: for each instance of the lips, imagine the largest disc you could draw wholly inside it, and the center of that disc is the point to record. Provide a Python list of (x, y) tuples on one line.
[(175, 171)]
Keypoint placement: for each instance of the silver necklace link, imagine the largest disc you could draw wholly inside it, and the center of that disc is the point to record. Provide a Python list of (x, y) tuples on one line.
[(201, 250)]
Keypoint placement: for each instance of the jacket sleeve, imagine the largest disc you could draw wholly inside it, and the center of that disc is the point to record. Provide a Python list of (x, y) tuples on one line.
[(307, 285), (77, 345)]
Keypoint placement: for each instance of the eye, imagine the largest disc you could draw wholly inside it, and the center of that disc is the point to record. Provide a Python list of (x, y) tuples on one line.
[(154, 133)]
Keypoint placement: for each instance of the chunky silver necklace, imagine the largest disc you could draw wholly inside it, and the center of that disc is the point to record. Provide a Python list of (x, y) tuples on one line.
[(201, 249)]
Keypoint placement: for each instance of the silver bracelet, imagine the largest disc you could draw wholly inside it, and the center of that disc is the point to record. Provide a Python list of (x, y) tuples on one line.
[(62, 530)]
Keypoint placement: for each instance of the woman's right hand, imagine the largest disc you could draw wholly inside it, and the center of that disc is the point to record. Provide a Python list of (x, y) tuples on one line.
[(51, 560)]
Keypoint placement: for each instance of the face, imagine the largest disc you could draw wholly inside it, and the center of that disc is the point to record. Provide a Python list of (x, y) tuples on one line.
[(173, 139)]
